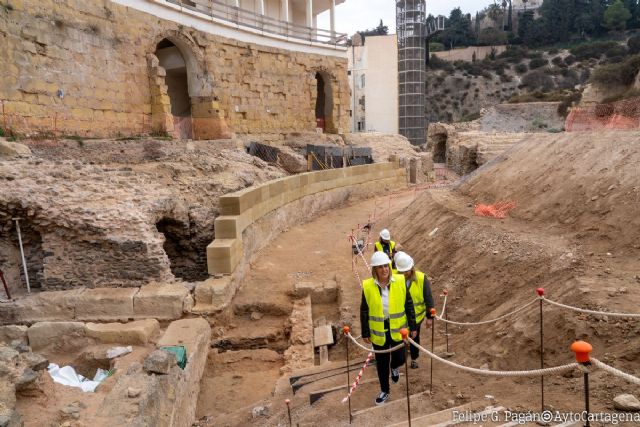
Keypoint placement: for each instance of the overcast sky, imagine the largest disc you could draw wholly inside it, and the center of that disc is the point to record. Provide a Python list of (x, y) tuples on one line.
[(357, 15)]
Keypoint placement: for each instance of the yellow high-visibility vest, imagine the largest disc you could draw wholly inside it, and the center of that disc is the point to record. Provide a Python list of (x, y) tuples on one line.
[(392, 246), (397, 316), (416, 289)]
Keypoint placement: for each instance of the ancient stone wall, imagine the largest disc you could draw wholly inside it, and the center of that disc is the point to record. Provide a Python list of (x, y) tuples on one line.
[(89, 68)]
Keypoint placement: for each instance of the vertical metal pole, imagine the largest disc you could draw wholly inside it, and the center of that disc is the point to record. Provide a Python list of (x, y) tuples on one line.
[(406, 377), (541, 360), (433, 336), (287, 401), (346, 341), (446, 329), (6, 288), (24, 263), (586, 397)]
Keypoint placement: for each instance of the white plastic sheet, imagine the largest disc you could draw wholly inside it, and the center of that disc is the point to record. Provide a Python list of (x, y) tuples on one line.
[(69, 377), (118, 351)]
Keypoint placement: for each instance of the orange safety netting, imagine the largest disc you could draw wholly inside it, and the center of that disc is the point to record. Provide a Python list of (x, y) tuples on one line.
[(623, 114), (496, 210)]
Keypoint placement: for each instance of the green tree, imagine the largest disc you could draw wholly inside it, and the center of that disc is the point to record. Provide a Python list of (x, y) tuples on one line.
[(558, 18), (616, 16), (457, 31)]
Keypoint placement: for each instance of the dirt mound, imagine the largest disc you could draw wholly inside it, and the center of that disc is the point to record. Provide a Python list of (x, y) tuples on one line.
[(383, 145), (575, 232)]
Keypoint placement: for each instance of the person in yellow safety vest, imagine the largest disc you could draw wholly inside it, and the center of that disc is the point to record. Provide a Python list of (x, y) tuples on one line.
[(385, 309), (420, 289), (386, 245)]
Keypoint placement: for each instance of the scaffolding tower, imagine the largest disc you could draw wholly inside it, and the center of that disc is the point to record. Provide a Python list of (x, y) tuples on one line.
[(412, 33)]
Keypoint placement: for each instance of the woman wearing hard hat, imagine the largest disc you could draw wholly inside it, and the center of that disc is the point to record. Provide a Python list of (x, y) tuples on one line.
[(420, 290), (385, 309)]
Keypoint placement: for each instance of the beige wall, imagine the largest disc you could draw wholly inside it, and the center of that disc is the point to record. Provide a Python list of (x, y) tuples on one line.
[(381, 86), (98, 55)]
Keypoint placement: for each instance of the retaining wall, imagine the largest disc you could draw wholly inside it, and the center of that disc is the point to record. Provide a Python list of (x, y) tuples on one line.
[(251, 218)]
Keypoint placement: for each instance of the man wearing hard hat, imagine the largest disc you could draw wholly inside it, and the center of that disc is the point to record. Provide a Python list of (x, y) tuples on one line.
[(420, 290), (386, 245), (385, 309)]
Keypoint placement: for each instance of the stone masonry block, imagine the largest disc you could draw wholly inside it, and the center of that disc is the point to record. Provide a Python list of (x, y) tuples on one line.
[(223, 255), (139, 332), (104, 304), (43, 334), (158, 301), (13, 332), (189, 333), (213, 294), (47, 306)]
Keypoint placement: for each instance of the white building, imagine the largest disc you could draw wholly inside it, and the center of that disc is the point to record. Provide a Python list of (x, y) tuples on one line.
[(373, 78)]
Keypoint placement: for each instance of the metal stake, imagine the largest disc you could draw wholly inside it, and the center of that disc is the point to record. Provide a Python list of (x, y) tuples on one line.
[(287, 401), (6, 288), (586, 396), (346, 341), (433, 337), (24, 263), (540, 292), (405, 334)]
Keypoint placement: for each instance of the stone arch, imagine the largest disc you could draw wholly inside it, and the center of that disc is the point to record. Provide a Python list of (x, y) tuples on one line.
[(206, 120), (324, 100)]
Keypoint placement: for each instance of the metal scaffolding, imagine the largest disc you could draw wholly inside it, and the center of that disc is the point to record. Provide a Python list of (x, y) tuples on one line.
[(412, 32)]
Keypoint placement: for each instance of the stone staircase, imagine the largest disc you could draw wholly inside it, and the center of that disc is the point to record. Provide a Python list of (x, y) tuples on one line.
[(492, 145)]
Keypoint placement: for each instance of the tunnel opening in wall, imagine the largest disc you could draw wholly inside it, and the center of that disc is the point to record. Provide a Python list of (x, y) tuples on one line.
[(185, 254), (324, 103), (177, 86)]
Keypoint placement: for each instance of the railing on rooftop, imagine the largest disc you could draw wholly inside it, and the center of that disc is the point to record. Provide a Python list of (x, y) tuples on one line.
[(265, 24)]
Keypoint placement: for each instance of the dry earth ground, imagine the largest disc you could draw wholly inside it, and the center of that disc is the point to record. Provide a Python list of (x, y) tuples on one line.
[(575, 232)]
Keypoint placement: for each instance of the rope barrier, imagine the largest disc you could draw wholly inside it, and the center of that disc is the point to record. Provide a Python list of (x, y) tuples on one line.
[(371, 350), (531, 373), (444, 306), (584, 310), (358, 378), (615, 371), (442, 319)]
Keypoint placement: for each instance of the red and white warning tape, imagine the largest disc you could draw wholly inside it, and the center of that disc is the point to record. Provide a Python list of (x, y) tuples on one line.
[(357, 381)]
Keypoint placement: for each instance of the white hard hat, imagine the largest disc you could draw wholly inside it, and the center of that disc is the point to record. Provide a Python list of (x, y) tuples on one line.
[(385, 234), (403, 262), (379, 258)]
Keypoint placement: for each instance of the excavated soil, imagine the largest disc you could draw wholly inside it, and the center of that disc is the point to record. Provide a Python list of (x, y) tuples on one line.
[(575, 232)]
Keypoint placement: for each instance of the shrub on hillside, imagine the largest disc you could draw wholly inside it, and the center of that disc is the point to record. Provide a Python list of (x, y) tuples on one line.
[(623, 73), (436, 47), (616, 51), (521, 68), (585, 74), (569, 80), (570, 59), (537, 63), (534, 54), (492, 37), (592, 50), (633, 44), (537, 80), (557, 60), (436, 63), (513, 54)]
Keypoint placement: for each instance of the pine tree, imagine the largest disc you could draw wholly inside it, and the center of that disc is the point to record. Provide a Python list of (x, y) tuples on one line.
[(616, 16)]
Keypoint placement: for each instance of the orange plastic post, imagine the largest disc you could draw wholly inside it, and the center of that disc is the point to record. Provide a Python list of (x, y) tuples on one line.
[(582, 350), (346, 329), (540, 291), (445, 292), (433, 312)]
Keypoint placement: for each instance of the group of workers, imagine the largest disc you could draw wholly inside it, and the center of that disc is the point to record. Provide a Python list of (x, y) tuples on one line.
[(397, 296)]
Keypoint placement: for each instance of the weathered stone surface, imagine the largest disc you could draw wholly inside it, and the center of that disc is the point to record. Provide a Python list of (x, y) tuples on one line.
[(137, 332), (159, 362), (213, 294), (26, 379), (43, 334), (34, 361), (326, 292), (322, 335), (300, 354), (626, 402), (47, 306), (106, 304), (164, 302), (13, 149), (8, 355), (11, 333)]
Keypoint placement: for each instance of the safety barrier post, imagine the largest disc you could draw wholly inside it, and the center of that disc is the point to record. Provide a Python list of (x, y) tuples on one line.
[(433, 336), (446, 325), (6, 288), (287, 401), (405, 335), (582, 350), (345, 331), (540, 292)]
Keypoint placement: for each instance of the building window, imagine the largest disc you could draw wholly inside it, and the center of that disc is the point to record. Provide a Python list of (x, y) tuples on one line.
[(348, 72), (361, 126), (362, 81)]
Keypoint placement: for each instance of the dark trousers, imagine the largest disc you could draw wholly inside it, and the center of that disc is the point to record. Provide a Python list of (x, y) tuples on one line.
[(384, 361), (415, 353)]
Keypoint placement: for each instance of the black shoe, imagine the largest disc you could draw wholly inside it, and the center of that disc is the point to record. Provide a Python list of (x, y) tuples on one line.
[(395, 376), (414, 364), (382, 397)]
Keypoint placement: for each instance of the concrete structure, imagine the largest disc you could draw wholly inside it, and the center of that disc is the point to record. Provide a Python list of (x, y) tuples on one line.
[(191, 68), (373, 77)]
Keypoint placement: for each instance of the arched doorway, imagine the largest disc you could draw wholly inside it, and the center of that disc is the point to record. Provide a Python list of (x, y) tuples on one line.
[(177, 82), (324, 102)]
